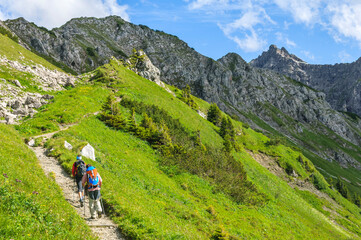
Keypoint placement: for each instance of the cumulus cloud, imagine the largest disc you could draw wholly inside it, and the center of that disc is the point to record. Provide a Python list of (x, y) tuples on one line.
[(281, 37), (219, 5), (246, 26), (345, 19), (54, 13), (305, 11), (250, 43)]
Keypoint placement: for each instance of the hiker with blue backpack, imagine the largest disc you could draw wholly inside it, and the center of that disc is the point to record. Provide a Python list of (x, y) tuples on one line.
[(78, 171), (94, 182)]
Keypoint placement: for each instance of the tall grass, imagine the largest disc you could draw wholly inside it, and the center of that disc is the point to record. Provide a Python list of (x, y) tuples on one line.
[(31, 204)]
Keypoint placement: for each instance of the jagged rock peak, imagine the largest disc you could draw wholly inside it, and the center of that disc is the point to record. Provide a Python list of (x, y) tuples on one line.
[(275, 55), (232, 56)]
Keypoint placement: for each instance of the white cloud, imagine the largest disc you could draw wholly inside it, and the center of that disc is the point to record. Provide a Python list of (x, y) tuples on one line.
[(217, 5), (285, 40), (243, 20), (246, 26), (251, 43), (54, 13), (303, 11), (345, 18)]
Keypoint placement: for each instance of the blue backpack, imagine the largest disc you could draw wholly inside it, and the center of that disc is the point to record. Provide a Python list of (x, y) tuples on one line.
[(93, 179)]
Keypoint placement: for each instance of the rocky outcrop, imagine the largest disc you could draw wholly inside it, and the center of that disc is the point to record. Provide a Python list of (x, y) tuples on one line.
[(340, 82), (16, 101), (140, 63)]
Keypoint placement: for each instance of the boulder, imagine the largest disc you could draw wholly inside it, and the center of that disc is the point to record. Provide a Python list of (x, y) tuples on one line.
[(16, 104), (88, 151), (69, 83), (17, 83), (10, 118), (47, 97), (31, 143), (202, 114), (21, 111), (68, 145)]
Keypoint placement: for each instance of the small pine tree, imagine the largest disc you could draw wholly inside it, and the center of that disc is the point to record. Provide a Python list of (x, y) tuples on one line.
[(341, 188), (187, 97), (111, 106), (214, 114), (198, 141), (132, 125), (227, 144), (223, 127), (164, 136), (357, 200)]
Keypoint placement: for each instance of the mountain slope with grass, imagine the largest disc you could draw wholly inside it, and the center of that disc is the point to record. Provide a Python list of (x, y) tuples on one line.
[(168, 172), (278, 105), (154, 189)]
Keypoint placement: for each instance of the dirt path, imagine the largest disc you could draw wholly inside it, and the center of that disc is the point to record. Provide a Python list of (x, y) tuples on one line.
[(103, 227)]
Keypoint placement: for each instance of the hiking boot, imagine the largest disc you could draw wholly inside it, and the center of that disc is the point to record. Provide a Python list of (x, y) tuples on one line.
[(92, 218), (81, 204), (99, 214)]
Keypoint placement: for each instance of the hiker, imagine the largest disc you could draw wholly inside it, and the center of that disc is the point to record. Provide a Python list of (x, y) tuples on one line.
[(78, 172), (94, 183)]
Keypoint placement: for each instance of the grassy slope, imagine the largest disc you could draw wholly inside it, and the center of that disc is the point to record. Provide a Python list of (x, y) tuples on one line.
[(312, 140), (15, 52), (148, 204), (24, 214)]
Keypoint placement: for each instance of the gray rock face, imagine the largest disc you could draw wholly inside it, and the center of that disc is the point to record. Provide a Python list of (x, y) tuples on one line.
[(287, 105), (340, 82)]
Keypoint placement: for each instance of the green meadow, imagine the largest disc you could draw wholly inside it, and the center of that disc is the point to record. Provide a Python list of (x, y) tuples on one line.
[(152, 200)]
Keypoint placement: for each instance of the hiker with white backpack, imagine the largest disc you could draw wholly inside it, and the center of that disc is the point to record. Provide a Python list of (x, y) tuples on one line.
[(94, 182), (78, 171)]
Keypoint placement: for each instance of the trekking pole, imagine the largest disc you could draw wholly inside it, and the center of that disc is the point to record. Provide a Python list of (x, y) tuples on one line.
[(73, 190), (101, 201), (84, 202)]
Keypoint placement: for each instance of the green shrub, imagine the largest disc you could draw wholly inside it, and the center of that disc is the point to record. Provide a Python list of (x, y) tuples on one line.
[(188, 98), (220, 234), (289, 169), (319, 181), (181, 149)]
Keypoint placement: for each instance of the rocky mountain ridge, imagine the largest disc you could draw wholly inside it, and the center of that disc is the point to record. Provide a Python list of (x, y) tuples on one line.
[(341, 82), (283, 103)]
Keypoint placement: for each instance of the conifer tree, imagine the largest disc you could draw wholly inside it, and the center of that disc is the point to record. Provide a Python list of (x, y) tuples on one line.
[(214, 114), (111, 106), (223, 127), (187, 97), (132, 125)]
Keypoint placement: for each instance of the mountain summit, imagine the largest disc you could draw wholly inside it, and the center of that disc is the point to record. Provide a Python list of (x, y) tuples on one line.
[(340, 82), (274, 57)]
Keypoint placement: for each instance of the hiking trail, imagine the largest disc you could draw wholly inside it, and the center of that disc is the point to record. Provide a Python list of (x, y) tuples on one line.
[(104, 227)]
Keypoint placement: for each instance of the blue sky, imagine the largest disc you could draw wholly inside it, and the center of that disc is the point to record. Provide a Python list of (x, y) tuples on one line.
[(318, 31)]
